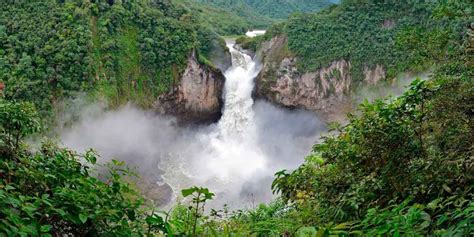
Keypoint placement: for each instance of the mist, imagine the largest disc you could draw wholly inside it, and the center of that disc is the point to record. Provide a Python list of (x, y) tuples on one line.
[(236, 158), (391, 88), (169, 158)]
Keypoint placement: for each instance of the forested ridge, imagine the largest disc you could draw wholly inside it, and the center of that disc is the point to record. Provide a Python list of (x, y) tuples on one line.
[(401, 36), (235, 17), (130, 51), (227, 19), (270, 8), (136, 49), (400, 166)]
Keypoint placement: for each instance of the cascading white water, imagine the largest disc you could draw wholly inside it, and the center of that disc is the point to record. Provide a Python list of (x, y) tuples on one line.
[(231, 152), (238, 113)]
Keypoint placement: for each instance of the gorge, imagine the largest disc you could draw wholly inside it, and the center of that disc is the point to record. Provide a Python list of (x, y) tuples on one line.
[(235, 157), (223, 130), (171, 118)]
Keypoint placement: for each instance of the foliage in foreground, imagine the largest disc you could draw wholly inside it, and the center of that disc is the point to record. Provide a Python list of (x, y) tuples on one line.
[(453, 216), (417, 147), (54, 190), (419, 184)]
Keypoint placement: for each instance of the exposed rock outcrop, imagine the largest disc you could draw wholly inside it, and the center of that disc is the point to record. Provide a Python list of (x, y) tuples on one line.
[(375, 75), (197, 97), (245, 51), (220, 56), (326, 91)]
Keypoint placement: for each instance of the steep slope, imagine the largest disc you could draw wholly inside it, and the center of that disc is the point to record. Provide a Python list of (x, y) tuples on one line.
[(123, 52), (198, 97), (224, 20), (274, 9), (237, 16), (282, 9), (316, 61)]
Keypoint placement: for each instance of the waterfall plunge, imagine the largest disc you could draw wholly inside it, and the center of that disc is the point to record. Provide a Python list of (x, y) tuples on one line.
[(235, 158), (232, 152)]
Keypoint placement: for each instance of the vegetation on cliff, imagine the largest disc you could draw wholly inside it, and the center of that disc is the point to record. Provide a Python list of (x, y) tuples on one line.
[(405, 157), (402, 167), (130, 51), (400, 36)]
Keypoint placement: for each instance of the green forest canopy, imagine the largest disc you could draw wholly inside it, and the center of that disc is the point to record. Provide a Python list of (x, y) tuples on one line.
[(235, 17), (401, 36), (130, 51), (274, 9)]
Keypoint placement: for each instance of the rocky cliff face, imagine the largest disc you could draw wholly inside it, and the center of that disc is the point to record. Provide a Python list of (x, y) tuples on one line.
[(326, 91), (198, 95)]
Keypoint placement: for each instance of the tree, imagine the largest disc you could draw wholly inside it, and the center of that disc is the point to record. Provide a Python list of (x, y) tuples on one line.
[(17, 120)]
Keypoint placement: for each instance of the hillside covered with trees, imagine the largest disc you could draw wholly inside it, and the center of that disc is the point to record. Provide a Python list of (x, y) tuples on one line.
[(401, 166), (133, 51), (401, 37), (237, 16), (270, 8), (130, 51), (227, 19)]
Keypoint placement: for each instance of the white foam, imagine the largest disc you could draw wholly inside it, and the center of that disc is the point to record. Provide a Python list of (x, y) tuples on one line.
[(254, 33)]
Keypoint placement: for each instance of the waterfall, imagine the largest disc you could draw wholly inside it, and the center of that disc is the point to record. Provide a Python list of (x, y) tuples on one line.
[(230, 151), (238, 113), (236, 158)]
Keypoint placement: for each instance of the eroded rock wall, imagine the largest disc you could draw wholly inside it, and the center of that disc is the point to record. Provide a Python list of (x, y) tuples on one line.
[(326, 91), (197, 97)]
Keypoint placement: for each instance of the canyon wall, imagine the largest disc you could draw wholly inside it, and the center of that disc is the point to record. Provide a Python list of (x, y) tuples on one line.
[(197, 96), (326, 91)]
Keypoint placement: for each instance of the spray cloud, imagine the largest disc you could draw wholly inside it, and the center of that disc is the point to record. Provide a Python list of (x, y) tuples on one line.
[(235, 158)]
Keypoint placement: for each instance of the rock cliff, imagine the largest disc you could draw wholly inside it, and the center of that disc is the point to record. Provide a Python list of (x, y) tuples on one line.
[(197, 97), (326, 90)]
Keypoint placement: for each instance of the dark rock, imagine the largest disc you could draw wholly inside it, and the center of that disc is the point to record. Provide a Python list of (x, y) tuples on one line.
[(198, 96)]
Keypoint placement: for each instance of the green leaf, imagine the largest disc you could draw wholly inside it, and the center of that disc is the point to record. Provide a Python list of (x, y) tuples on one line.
[(322, 233), (306, 231), (83, 218), (446, 188), (154, 220), (188, 192), (342, 226), (91, 157), (118, 163), (45, 228), (60, 212), (9, 187)]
